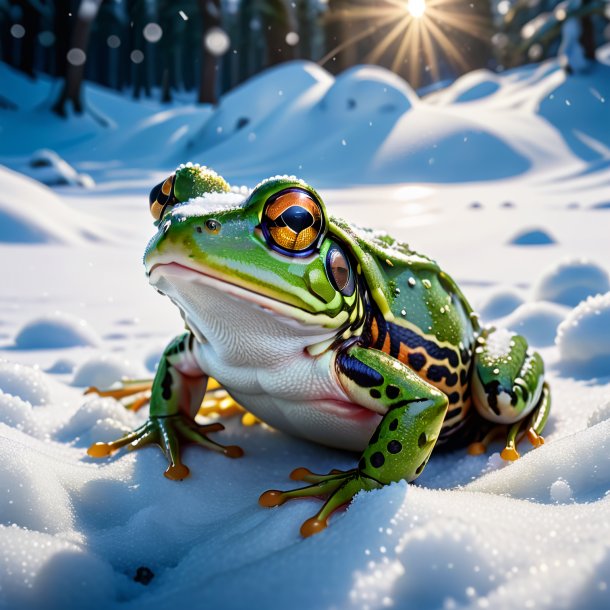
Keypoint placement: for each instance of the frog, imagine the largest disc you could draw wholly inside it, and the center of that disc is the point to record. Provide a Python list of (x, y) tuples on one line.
[(337, 334)]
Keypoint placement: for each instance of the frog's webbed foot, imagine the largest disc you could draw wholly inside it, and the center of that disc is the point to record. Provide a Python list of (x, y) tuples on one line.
[(169, 433), (337, 488), (529, 428)]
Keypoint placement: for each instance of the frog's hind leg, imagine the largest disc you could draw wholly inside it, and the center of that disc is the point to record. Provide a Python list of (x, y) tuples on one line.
[(509, 390)]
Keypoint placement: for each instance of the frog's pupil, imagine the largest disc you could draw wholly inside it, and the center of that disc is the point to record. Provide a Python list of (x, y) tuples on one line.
[(296, 218)]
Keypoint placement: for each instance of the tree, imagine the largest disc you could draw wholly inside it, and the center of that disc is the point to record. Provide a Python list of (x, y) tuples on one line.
[(76, 58), (210, 19)]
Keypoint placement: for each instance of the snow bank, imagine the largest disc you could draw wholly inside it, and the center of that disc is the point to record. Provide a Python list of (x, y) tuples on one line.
[(583, 338), (499, 302), (571, 281), (31, 213), (24, 382), (537, 322), (56, 330), (105, 370), (48, 167)]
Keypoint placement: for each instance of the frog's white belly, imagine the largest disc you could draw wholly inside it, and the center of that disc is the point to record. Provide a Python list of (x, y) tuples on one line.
[(261, 359)]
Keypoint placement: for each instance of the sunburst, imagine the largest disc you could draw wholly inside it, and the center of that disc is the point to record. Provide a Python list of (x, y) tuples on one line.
[(418, 28)]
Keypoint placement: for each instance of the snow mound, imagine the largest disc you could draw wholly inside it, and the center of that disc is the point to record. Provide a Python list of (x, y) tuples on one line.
[(18, 414), (368, 91), (532, 237), (56, 330), (537, 322), (600, 413), (259, 98), (572, 281), (54, 573), (31, 213), (583, 338), (103, 371), (24, 382), (98, 419), (499, 303), (62, 366), (48, 167)]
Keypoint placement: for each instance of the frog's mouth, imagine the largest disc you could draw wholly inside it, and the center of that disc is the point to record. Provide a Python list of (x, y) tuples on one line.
[(283, 312)]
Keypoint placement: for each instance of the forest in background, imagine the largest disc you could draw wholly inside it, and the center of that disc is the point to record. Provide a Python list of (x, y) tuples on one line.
[(199, 49)]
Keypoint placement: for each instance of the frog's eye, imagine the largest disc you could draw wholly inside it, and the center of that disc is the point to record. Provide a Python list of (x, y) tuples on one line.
[(293, 222), (339, 271), (162, 196)]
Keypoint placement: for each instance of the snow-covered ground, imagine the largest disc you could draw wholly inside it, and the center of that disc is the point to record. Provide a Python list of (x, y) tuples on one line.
[(505, 180)]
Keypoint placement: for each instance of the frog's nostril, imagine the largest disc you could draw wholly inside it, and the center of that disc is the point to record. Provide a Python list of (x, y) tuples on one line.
[(198, 229)]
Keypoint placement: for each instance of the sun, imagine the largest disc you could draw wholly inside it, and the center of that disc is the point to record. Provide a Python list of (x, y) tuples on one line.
[(416, 8)]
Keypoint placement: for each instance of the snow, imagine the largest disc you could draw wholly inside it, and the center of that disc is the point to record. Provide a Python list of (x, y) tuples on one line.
[(583, 338), (532, 237), (472, 532), (103, 371), (499, 303), (537, 321), (57, 329), (571, 281)]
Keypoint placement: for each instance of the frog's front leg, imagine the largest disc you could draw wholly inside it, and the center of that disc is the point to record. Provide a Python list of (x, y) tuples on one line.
[(401, 444), (177, 391), (508, 389)]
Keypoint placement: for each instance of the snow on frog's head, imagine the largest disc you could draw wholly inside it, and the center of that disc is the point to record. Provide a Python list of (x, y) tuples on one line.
[(270, 250)]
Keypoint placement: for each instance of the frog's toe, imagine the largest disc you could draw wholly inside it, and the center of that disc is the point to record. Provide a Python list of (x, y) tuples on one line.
[(177, 472), (510, 454), (338, 489), (99, 450), (312, 526), (304, 474), (196, 433), (534, 438), (271, 498)]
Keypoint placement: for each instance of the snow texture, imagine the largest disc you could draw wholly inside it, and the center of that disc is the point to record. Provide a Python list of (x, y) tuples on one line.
[(537, 321), (499, 303), (583, 338), (572, 281), (471, 532)]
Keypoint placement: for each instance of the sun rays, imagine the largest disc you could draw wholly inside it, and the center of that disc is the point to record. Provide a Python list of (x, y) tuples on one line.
[(422, 34)]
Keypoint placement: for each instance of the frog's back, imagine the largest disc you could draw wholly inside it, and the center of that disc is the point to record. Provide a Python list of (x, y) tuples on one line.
[(419, 316)]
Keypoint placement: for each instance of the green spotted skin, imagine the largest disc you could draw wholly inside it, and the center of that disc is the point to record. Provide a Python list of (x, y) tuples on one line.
[(403, 441), (508, 377)]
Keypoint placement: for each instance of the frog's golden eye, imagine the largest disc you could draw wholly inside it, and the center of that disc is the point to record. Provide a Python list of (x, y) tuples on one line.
[(293, 222), (339, 271), (162, 196)]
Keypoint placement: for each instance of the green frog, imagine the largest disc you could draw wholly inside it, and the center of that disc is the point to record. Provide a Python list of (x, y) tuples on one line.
[(340, 335)]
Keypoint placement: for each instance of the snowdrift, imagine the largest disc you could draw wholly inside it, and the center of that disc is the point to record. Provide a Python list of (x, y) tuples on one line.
[(31, 213), (365, 126)]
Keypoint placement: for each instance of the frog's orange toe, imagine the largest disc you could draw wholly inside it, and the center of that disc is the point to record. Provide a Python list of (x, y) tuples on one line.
[(299, 474), (312, 526), (233, 451), (99, 450), (272, 498), (177, 472), (476, 449), (534, 438), (509, 454)]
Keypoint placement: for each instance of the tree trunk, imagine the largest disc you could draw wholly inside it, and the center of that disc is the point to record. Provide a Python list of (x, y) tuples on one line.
[(31, 22), (62, 29), (277, 22), (71, 90), (587, 38), (211, 17)]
